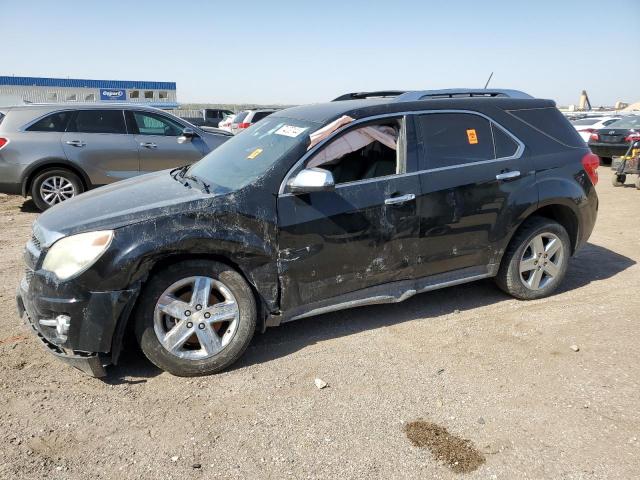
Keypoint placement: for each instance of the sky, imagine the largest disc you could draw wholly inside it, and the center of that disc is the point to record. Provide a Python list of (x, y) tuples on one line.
[(293, 52)]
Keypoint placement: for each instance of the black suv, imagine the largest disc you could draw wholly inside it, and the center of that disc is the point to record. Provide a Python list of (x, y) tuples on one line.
[(313, 209)]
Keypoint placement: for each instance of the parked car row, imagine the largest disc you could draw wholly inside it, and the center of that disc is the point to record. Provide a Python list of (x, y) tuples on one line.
[(614, 140), (311, 210), (609, 136), (206, 117)]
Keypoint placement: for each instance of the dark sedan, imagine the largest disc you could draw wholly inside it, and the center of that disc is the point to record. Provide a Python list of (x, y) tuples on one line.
[(614, 140)]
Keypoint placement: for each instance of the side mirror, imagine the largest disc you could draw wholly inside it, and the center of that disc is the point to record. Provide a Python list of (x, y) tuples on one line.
[(312, 180), (187, 135)]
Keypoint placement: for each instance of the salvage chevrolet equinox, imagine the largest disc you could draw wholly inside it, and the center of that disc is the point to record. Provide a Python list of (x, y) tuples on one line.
[(368, 199)]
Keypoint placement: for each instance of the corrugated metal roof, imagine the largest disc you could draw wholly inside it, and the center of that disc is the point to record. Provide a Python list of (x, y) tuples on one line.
[(80, 83)]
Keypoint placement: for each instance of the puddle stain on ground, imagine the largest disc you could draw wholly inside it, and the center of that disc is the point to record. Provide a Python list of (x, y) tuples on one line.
[(458, 454)]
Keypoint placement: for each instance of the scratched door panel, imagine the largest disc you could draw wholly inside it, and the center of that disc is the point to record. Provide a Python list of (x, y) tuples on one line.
[(344, 240)]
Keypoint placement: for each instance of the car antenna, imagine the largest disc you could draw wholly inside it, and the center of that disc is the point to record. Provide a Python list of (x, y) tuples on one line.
[(488, 80)]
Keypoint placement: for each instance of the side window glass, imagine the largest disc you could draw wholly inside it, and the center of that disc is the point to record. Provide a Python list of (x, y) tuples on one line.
[(376, 150), (151, 124), (98, 121), (505, 145), (56, 122), (451, 139)]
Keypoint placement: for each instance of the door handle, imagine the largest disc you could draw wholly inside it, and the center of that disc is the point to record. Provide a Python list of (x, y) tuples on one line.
[(76, 143), (401, 199), (148, 145), (508, 175)]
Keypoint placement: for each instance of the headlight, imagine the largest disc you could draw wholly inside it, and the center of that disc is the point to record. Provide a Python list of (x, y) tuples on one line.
[(72, 255)]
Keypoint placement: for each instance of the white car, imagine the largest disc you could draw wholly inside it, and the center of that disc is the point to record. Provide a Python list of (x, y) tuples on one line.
[(225, 123), (246, 118), (586, 126)]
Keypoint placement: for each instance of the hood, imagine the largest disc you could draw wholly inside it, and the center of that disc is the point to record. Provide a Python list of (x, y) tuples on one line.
[(123, 203)]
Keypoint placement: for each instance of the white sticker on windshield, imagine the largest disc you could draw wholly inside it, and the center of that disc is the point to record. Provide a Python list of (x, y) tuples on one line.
[(290, 131)]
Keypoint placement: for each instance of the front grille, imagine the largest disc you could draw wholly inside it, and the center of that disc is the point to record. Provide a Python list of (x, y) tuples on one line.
[(35, 241), (28, 274)]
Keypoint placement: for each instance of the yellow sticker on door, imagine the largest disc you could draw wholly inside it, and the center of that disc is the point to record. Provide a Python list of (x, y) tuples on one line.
[(472, 136), (254, 154)]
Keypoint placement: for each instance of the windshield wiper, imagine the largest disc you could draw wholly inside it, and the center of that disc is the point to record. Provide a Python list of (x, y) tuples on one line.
[(179, 171), (196, 179)]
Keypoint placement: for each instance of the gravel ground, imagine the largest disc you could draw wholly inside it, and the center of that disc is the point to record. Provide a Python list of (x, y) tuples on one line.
[(485, 368)]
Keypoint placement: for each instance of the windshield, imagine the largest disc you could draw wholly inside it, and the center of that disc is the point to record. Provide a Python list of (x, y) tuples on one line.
[(248, 155), (628, 122)]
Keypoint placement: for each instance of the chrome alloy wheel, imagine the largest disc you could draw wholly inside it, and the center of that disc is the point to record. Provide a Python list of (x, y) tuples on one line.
[(196, 318), (541, 261), (56, 189)]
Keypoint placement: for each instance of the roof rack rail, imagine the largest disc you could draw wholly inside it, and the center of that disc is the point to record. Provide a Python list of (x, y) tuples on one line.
[(363, 95), (459, 93)]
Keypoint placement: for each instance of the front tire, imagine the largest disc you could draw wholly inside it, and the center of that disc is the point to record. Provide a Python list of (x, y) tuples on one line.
[(536, 260), (54, 186), (196, 317)]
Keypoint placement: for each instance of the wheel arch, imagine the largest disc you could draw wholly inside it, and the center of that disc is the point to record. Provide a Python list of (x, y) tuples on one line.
[(159, 263), (47, 164), (558, 210)]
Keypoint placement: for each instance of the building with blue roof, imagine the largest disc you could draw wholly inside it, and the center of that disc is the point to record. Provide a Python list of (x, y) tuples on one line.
[(69, 90)]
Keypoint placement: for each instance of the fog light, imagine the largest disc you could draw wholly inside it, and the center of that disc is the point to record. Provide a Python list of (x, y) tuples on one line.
[(61, 322)]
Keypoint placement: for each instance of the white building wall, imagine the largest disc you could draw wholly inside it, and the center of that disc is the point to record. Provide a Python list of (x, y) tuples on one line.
[(34, 94)]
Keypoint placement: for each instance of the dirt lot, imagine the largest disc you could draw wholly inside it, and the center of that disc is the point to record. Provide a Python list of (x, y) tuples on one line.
[(469, 361)]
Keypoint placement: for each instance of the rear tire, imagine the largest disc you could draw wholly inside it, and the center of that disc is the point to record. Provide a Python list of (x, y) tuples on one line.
[(54, 186), (618, 180), (536, 260), (177, 328)]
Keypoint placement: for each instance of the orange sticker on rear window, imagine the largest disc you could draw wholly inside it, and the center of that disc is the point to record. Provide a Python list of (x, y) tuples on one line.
[(472, 136)]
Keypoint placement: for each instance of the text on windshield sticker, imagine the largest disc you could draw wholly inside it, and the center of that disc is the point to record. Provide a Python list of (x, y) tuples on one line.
[(290, 131)]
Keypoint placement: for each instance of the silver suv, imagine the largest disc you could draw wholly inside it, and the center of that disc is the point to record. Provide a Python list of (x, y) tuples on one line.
[(54, 152)]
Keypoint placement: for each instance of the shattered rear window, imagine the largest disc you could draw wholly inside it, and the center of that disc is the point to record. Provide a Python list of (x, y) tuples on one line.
[(247, 156)]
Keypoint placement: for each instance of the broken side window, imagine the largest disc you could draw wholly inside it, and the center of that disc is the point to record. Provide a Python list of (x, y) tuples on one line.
[(362, 153)]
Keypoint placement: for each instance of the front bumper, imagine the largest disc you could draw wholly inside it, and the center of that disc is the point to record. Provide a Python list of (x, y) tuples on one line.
[(94, 317)]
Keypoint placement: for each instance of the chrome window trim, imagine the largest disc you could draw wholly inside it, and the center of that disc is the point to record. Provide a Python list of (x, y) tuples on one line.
[(518, 153)]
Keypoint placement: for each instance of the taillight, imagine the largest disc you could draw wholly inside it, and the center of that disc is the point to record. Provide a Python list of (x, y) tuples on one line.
[(634, 137), (3, 141), (587, 130), (244, 125), (590, 163), (594, 137)]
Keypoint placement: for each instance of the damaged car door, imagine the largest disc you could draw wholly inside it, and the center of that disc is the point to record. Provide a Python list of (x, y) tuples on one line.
[(358, 229)]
